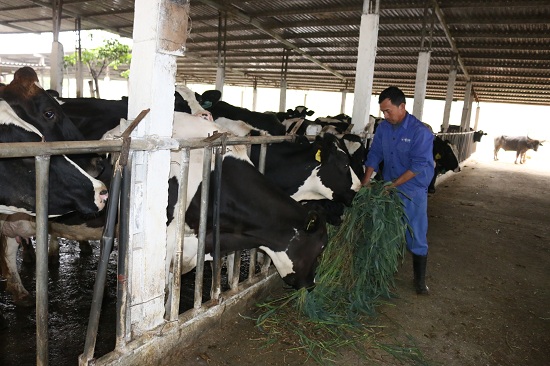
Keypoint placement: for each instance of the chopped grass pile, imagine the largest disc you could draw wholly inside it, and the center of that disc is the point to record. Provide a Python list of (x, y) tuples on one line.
[(355, 273)]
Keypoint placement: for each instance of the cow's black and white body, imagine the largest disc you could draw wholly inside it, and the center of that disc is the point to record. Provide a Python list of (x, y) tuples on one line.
[(93, 117), (253, 213), (445, 159), (29, 114), (311, 171), (267, 123), (519, 144), (70, 187)]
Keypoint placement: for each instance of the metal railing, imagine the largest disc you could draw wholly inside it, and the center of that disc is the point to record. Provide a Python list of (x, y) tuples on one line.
[(212, 147), (464, 142)]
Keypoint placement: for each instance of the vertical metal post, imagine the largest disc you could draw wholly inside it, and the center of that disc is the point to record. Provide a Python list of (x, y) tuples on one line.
[(261, 168), (42, 166), (99, 285), (179, 216), (217, 270), (123, 320), (203, 221)]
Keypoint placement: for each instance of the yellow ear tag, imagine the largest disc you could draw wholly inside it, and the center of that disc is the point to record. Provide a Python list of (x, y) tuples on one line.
[(318, 156), (437, 156)]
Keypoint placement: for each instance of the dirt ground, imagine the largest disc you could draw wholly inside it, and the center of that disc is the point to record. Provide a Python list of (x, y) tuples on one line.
[(488, 273)]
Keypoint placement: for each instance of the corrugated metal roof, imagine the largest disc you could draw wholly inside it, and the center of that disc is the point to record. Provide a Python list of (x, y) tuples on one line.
[(503, 45)]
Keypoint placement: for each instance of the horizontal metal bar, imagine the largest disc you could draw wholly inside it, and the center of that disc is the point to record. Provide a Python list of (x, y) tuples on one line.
[(28, 149)]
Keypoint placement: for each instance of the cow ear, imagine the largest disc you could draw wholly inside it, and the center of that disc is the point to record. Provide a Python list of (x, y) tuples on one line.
[(312, 222), (212, 96)]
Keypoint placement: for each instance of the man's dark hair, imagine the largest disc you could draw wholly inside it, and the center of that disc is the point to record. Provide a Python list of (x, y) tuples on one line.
[(394, 93)]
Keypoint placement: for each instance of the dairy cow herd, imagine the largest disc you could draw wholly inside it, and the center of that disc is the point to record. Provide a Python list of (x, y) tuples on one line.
[(283, 212)]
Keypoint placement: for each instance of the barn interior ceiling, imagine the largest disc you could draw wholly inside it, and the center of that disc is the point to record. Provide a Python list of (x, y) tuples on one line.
[(501, 46)]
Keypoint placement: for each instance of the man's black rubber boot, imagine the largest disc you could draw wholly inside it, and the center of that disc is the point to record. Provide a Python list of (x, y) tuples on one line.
[(419, 268)]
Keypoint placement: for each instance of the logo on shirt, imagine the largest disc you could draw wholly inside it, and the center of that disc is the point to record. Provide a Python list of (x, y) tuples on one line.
[(404, 139)]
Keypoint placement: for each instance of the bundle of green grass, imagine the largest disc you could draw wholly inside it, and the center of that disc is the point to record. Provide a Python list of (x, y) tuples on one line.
[(356, 271)]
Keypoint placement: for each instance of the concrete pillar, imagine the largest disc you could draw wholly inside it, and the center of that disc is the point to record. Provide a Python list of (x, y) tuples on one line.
[(420, 83), (56, 67), (364, 74), (159, 36), (282, 96), (477, 118), (343, 102), (255, 95), (464, 121), (56, 56), (79, 76), (220, 78), (449, 97), (469, 118)]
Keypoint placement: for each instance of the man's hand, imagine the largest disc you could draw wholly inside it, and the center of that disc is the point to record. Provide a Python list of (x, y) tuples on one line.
[(366, 183)]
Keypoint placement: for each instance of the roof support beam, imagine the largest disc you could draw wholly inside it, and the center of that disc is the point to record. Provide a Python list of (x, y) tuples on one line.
[(441, 18), (246, 18), (47, 4)]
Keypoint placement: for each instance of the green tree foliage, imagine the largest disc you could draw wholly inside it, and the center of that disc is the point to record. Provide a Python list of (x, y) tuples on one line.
[(111, 54)]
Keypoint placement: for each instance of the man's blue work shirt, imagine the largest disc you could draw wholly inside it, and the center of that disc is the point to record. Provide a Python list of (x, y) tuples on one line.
[(407, 146)]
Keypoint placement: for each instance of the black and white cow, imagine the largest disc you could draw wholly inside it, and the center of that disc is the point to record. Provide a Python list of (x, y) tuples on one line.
[(445, 159), (338, 124), (296, 122), (253, 212), (456, 129), (38, 108), (311, 171), (70, 187), (93, 117), (266, 122), (519, 144), (35, 106)]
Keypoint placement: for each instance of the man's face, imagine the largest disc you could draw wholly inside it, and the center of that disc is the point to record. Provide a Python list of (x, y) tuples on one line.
[(392, 113)]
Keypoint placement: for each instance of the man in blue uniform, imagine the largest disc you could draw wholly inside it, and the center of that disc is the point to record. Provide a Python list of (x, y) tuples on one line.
[(405, 146)]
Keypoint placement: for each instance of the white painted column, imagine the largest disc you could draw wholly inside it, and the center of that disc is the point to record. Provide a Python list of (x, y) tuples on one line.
[(254, 96), (420, 83), (464, 121), (159, 35), (56, 56), (476, 123), (449, 98), (79, 74), (220, 78), (469, 118), (282, 96), (364, 74), (343, 102), (56, 67)]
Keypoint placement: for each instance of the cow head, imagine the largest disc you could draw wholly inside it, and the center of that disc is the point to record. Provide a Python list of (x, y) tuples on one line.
[(445, 155), (34, 105), (334, 171), (533, 144), (209, 98), (298, 269), (357, 152), (478, 135)]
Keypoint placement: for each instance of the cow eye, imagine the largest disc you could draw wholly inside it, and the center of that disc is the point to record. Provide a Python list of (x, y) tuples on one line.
[(49, 114)]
